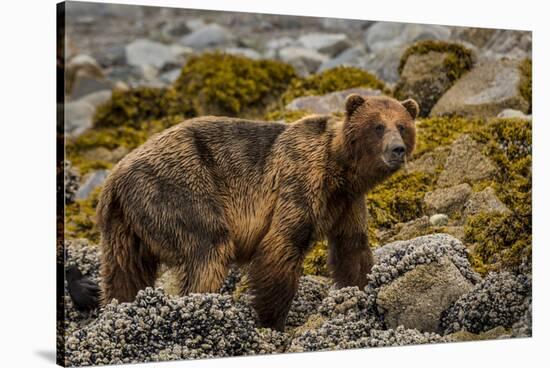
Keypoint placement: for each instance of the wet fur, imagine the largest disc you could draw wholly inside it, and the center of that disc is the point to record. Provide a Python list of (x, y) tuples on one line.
[(216, 191)]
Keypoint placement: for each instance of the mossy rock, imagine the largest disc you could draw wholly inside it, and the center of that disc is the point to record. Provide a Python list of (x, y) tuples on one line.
[(428, 69), (526, 82), (132, 107), (332, 80), (223, 84)]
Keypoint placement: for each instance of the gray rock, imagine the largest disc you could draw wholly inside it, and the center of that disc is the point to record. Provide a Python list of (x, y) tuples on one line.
[(384, 63), (111, 56), (353, 56), (78, 117), (91, 182), (484, 91), (170, 77), (72, 181), (195, 24), (509, 44), (344, 25), (484, 201), (304, 60), (209, 35), (430, 161), (242, 51), (144, 52), (404, 231), (417, 299), (448, 200), (466, 163), (97, 98), (279, 43), (326, 43), (329, 103), (383, 35), (439, 219), (85, 83), (511, 113)]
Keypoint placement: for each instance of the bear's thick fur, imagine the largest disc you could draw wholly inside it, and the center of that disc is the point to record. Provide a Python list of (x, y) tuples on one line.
[(216, 191)]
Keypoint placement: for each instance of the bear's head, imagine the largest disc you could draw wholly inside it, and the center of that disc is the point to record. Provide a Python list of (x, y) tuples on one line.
[(380, 132)]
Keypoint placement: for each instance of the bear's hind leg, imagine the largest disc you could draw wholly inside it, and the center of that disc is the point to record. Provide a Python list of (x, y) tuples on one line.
[(127, 267)]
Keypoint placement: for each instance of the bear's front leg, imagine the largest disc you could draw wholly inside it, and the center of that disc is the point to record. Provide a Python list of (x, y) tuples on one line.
[(350, 257), (274, 274)]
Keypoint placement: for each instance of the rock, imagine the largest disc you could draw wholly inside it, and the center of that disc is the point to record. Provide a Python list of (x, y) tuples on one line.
[(425, 77), (329, 103), (91, 181), (304, 60), (509, 44), (496, 333), (249, 53), (195, 24), (501, 299), (384, 63), (170, 76), (416, 299), (78, 117), (311, 292), (439, 219), (97, 98), (353, 56), (511, 113), (143, 52), (111, 56), (384, 35), (430, 161), (206, 36), (448, 200), (344, 25), (72, 181), (484, 201), (466, 163), (484, 91), (404, 231), (326, 43), (279, 43), (85, 83)]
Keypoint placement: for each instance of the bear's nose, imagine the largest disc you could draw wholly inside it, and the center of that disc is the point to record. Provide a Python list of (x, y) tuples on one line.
[(398, 151)]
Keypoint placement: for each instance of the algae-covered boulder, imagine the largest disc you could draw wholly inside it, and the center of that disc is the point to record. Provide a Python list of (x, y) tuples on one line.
[(223, 84), (485, 91), (428, 69), (417, 299)]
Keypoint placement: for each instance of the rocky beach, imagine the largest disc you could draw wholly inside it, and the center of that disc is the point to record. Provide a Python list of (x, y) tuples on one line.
[(451, 231)]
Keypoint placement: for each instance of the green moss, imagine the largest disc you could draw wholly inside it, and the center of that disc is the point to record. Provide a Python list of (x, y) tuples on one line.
[(459, 59), (398, 199), (315, 262), (80, 218), (440, 131), (223, 84), (133, 107), (526, 82), (286, 115), (332, 80)]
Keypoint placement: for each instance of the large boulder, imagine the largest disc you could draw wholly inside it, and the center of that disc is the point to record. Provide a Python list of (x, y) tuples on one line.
[(384, 62), (428, 69), (329, 103), (448, 200), (90, 182), (484, 91), (417, 299), (353, 56), (304, 60), (466, 163), (484, 201), (143, 52), (384, 35), (78, 117)]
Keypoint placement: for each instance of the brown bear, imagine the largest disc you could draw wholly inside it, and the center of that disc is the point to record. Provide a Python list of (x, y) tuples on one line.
[(216, 191)]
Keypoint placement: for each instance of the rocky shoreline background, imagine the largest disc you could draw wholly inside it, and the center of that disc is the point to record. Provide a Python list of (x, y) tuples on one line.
[(452, 231)]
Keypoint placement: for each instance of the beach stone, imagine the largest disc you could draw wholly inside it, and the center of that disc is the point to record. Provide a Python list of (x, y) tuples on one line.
[(484, 201), (511, 113), (430, 161), (91, 182), (417, 299), (384, 63), (439, 219), (352, 56), (326, 43), (209, 35), (465, 163), (329, 103), (78, 117), (449, 200), (484, 91), (142, 52), (383, 35), (303, 59)]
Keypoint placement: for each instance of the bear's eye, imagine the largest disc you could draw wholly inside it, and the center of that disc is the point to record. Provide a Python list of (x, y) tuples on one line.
[(401, 128), (379, 128)]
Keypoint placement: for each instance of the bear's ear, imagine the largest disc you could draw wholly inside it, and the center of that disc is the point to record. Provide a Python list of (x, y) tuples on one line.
[(353, 101), (411, 106)]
